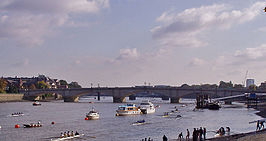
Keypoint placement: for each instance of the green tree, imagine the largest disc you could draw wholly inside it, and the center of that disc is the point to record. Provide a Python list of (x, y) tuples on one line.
[(225, 84), (12, 89), (185, 86), (32, 86), (238, 86), (42, 85), (74, 85), (63, 82), (3, 85), (208, 86), (252, 87)]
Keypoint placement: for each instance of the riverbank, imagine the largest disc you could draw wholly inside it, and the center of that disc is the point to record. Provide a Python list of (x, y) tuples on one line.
[(251, 136), (11, 97), (262, 109)]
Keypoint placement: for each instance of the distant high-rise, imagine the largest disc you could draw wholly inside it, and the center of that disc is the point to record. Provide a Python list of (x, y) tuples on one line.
[(250, 82)]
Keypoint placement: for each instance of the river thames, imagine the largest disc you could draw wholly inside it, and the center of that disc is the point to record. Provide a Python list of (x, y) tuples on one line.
[(70, 117)]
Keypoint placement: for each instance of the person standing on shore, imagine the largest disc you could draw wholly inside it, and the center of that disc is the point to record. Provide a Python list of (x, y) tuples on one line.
[(194, 135), (258, 125), (180, 136), (164, 138), (204, 133), (200, 133), (261, 124), (187, 137)]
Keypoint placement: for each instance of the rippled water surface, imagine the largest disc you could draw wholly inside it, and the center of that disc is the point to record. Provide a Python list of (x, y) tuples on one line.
[(70, 116)]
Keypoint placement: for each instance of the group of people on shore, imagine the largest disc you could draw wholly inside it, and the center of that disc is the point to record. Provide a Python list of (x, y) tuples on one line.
[(260, 125), (221, 131), (199, 134), (68, 134)]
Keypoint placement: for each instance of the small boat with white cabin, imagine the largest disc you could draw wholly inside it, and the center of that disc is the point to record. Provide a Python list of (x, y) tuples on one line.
[(147, 107), (129, 109), (93, 115), (36, 103)]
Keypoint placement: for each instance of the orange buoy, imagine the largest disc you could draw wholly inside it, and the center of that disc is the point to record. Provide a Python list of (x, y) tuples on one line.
[(52, 122), (16, 126), (86, 118)]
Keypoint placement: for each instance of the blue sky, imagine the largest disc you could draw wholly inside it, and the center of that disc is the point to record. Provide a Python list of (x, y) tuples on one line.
[(129, 42)]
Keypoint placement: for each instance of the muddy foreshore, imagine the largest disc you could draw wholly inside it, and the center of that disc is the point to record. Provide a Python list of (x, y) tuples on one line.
[(250, 136)]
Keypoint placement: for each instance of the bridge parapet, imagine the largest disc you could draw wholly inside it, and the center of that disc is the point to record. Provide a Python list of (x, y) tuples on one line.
[(119, 93)]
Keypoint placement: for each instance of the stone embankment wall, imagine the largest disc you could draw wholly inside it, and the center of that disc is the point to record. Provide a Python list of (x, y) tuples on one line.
[(10, 97)]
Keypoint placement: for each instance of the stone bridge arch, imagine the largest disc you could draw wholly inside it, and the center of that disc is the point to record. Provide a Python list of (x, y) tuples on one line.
[(38, 95)]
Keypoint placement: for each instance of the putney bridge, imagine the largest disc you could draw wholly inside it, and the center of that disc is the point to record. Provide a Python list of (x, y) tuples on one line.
[(119, 94)]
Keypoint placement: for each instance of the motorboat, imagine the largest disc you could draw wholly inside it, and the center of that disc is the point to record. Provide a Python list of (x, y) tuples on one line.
[(147, 107), (92, 115), (36, 103), (139, 122), (129, 109)]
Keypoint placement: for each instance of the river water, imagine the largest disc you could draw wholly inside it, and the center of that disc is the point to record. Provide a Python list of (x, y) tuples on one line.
[(70, 116)]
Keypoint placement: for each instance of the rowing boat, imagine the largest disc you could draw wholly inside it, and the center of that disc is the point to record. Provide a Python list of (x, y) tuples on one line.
[(139, 122), (31, 125), (67, 138), (16, 115), (255, 121)]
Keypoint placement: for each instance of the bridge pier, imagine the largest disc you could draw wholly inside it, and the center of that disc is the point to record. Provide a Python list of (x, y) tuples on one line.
[(174, 100), (165, 98), (119, 99), (71, 99), (99, 96), (228, 102), (32, 98)]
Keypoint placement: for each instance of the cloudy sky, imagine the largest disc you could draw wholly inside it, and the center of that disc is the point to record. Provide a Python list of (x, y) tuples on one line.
[(129, 42)]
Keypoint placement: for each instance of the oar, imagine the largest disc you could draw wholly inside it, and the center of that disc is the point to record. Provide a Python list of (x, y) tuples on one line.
[(91, 136)]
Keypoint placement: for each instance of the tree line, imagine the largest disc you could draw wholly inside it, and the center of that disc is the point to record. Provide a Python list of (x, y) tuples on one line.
[(224, 85), (6, 87)]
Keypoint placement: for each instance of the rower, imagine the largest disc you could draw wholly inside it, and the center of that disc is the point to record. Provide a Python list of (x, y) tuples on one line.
[(68, 133), (72, 133), (62, 135), (76, 133), (65, 134)]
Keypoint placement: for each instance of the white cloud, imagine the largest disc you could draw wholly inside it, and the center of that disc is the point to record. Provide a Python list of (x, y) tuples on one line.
[(262, 29), (252, 53), (183, 29), (126, 55), (30, 21), (241, 60), (21, 63), (197, 62)]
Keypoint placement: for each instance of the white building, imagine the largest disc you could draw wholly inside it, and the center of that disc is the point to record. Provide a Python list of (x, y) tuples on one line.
[(250, 82)]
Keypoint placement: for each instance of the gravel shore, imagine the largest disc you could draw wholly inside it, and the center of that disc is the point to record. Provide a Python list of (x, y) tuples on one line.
[(251, 136)]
